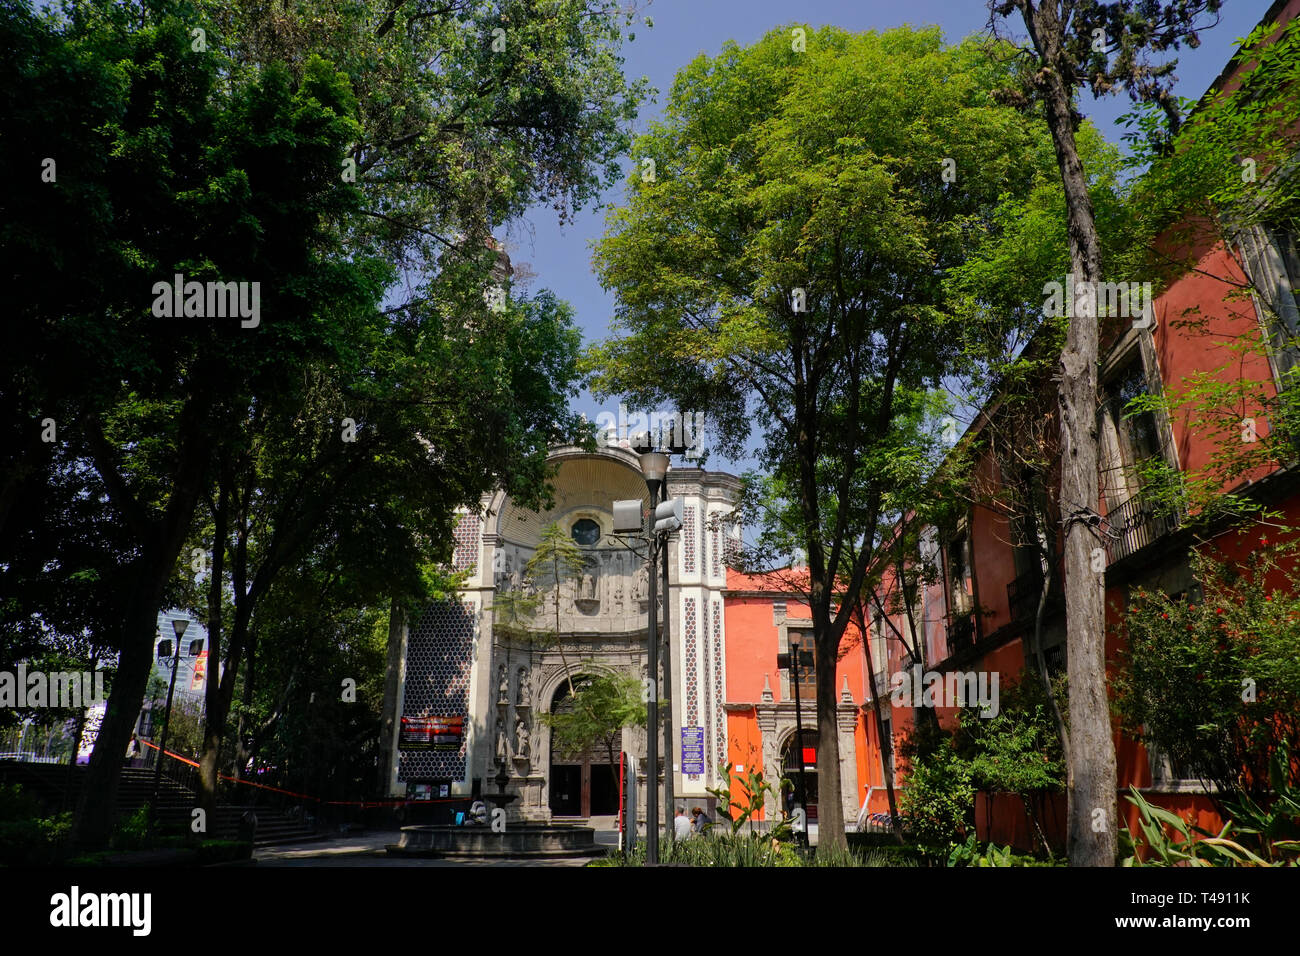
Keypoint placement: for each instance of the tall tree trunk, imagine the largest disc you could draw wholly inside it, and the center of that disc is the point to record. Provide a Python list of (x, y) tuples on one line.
[(135, 662), (1091, 758), (250, 679), (160, 541), (216, 617), (216, 719), (830, 808), (72, 760), (1062, 732), (886, 740)]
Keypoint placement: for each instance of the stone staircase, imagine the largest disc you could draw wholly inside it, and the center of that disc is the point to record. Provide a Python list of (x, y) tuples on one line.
[(47, 782)]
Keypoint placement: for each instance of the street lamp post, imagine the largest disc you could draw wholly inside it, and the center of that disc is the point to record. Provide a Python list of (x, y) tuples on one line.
[(654, 466), (794, 661), (178, 627)]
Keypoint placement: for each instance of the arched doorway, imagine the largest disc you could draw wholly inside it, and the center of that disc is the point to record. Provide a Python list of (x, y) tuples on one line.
[(583, 784), (790, 768)]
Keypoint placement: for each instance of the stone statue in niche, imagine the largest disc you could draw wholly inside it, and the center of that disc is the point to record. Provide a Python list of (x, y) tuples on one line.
[(587, 587), (525, 697), (641, 584), (506, 575), (503, 742), (503, 685), (521, 739)]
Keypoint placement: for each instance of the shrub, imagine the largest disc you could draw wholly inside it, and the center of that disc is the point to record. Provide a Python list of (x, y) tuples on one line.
[(133, 832), (27, 838), (938, 805), (1215, 683), (223, 851)]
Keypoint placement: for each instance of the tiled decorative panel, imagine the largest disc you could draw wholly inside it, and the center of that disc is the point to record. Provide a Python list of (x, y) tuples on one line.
[(708, 711), (732, 548), (691, 669), (718, 684), (466, 536), (704, 545), (715, 550), (688, 540), (438, 653)]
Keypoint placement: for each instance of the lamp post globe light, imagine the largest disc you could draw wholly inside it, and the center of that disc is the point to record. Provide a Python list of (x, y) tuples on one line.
[(178, 628)]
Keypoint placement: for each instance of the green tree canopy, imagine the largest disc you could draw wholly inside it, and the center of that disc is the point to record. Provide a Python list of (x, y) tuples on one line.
[(781, 263)]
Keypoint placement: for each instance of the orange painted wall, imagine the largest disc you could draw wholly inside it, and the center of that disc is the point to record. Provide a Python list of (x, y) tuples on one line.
[(752, 645)]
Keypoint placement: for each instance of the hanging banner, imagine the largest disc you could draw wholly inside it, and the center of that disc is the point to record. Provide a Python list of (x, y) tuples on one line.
[(431, 733)]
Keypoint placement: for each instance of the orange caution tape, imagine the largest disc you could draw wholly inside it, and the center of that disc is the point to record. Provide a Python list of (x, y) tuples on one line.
[(363, 804)]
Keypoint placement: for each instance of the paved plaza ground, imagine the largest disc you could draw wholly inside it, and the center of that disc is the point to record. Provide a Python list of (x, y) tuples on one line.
[(368, 849)]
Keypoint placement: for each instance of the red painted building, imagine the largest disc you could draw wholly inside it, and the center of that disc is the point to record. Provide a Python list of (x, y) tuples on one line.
[(979, 613)]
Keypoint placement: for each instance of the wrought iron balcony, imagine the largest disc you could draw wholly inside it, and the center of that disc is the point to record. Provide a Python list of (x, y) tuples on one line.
[(1136, 523), (1024, 592), (961, 633)]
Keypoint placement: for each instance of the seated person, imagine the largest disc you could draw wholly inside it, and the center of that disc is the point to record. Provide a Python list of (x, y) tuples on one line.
[(478, 814)]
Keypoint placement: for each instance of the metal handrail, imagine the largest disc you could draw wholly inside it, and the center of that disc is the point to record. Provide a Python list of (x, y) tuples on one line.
[(1136, 523)]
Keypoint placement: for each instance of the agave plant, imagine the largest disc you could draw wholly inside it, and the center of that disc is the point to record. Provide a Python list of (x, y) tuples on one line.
[(1175, 842)]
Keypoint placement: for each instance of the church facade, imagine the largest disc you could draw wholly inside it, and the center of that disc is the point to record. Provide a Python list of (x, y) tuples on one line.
[(471, 697)]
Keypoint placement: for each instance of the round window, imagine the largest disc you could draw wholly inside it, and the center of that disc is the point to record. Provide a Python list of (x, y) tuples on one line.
[(586, 532)]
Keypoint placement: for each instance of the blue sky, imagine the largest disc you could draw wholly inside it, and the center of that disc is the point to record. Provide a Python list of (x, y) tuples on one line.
[(561, 257)]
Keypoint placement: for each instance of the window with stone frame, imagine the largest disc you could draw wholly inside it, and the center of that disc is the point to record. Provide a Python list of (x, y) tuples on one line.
[(878, 646), (1271, 257), (1130, 439), (807, 672), (960, 596)]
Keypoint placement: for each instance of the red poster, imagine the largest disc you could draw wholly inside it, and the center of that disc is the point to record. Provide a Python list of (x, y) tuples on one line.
[(200, 671)]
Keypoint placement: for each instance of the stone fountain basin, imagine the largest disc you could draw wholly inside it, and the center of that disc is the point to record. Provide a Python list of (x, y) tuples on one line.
[(517, 840)]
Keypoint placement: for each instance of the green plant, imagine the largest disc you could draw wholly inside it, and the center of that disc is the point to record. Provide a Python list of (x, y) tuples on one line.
[(1174, 842), (838, 856), (1018, 751), (725, 850), (938, 805), (223, 851), (26, 837), (133, 833), (1214, 683), (752, 797), (968, 854), (1273, 825), (596, 715)]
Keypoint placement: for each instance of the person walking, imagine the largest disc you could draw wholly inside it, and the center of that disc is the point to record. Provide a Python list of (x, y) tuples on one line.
[(699, 820)]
